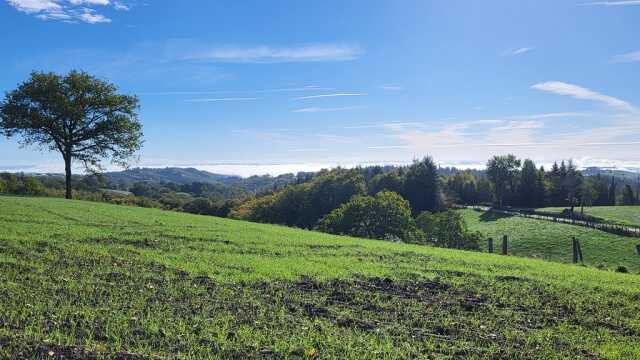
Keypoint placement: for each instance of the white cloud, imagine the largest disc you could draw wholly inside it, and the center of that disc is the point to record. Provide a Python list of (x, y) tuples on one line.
[(91, 17), (520, 125), (328, 95), (550, 115), (614, 3), (518, 51), (323, 110), (35, 6), (70, 11), (391, 87), (89, 2), (268, 54), (578, 92), (223, 99), (120, 6), (629, 57), (521, 51)]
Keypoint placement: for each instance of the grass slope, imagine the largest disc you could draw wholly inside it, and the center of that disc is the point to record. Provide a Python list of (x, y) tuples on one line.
[(623, 215), (86, 280), (552, 241)]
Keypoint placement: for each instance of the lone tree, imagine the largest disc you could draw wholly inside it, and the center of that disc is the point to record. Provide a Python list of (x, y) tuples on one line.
[(502, 172), (78, 115)]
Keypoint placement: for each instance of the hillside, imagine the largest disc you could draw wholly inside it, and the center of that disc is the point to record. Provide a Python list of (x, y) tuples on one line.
[(175, 175), (623, 215), (185, 176), (84, 279), (552, 241)]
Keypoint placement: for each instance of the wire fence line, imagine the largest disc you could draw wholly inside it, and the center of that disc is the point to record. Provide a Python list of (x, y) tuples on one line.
[(623, 230)]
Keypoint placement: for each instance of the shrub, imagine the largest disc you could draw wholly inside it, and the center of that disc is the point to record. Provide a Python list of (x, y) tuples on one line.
[(622, 269), (385, 216), (448, 229)]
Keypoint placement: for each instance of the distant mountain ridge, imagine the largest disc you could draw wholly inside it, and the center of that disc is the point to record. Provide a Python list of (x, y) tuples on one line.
[(170, 174), (185, 176)]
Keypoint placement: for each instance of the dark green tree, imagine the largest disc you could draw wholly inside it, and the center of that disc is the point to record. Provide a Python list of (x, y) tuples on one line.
[(77, 115), (422, 186), (390, 181), (612, 191), (628, 197), (528, 191)]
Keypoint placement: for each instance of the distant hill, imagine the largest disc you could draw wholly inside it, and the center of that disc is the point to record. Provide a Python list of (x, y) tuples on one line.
[(183, 176), (170, 174), (630, 174)]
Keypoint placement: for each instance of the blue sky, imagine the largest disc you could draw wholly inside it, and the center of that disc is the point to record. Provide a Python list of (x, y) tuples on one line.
[(270, 86)]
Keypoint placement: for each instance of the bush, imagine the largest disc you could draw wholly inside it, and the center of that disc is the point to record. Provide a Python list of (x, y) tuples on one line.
[(204, 206), (448, 229), (622, 269), (385, 216)]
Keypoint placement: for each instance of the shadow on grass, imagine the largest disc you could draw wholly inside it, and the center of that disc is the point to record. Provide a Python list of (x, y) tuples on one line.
[(493, 216)]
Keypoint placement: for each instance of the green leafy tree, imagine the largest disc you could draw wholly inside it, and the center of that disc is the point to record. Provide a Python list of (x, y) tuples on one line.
[(572, 184), (390, 181), (502, 172), (383, 216), (447, 229), (422, 186), (528, 191), (77, 115)]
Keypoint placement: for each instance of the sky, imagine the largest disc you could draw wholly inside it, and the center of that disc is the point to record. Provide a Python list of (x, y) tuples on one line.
[(248, 87)]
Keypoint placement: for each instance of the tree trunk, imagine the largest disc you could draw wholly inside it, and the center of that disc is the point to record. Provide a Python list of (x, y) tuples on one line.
[(67, 173)]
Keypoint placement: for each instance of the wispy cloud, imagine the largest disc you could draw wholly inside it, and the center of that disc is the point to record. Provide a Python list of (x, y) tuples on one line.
[(323, 110), (551, 115), (614, 3), (578, 92), (520, 125), (391, 87), (329, 95), (269, 54), (223, 99), (518, 51), (71, 11), (629, 57), (309, 88)]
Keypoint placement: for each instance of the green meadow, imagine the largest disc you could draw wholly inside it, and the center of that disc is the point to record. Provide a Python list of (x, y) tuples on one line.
[(623, 215), (91, 280), (552, 241)]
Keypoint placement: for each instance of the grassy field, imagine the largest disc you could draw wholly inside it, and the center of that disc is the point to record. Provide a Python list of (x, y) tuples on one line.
[(90, 280), (623, 215), (552, 241)]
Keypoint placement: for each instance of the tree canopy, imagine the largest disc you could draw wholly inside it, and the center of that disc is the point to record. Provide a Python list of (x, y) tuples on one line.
[(383, 216)]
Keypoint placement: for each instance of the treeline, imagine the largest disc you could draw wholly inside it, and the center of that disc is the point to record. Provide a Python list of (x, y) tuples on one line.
[(398, 204), (511, 182), (407, 203)]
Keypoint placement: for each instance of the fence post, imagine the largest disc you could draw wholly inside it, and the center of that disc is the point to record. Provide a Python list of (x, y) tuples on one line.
[(574, 245), (638, 249), (579, 251), (490, 245), (504, 245)]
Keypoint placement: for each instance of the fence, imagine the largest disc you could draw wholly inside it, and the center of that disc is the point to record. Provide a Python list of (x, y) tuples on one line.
[(610, 228)]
